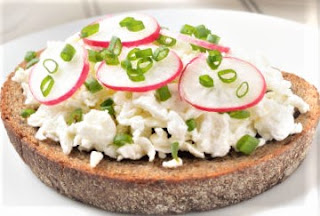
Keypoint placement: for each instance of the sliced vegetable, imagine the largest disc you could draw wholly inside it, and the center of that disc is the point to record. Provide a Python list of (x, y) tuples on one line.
[(174, 150), (68, 52), (143, 53), (163, 93), (50, 65), (32, 62), (242, 90), (30, 55), (93, 85), (206, 81), (192, 124), (122, 139), (227, 75), (108, 105), (132, 24), (241, 114), (89, 30), (247, 144), (144, 64), (94, 56), (132, 54), (46, 85), (166, 41), (27, 112), (75, 116), (115, 46), (160, 53), (214, 59)]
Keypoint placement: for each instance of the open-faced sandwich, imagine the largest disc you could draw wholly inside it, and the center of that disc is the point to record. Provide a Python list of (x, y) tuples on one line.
[(132, 117)]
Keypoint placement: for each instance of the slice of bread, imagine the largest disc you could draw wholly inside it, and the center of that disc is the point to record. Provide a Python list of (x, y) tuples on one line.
[(144, 187)]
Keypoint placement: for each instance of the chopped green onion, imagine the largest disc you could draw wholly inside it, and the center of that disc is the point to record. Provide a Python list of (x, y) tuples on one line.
[(247, 144), (201, 32), (27, 112), (112, 60), (241, 114), (126, 64), (206, 81), (30, 55), (32, 62), (143, 53), (94, 56), (163, 93), (201, 49), (67, 53), (93, 85), (213, 38), (50, 65), (227, 76), (136, 26), (135, 75), (126, 21), (160, 53), (132, 54), (187, 29), (242, 90), (75, 116), (122, 139), (89, 30), (174, 150), (192, 124), (144, 64), (46, 85), (214, 59), (166, 41), (115, 45), (108, 105)]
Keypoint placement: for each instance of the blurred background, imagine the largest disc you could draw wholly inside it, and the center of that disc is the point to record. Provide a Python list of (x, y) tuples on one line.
[(18, 18)]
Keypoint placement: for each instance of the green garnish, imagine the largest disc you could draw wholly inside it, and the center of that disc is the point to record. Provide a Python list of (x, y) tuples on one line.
[(126, 21), (187, 29), (227, 76), (135, 75), (32, 62), (67, 53), (27, 112), (242, 90), (201, 32), (50, 65), (247, 144), (89, 30), (163, 93), (213, 38), (115, 45), (166, 41), (214, 59), (143, 53), (132, 54), (108, 105), (144, 64), (30, 55), (160, 53), (132, 24), (46, 85), (206, 81), (111, 59), (75, 116), (93, 85), (241, 114), (122, 139), (94, 56), (126, 64), (192, 124), (174, 150)]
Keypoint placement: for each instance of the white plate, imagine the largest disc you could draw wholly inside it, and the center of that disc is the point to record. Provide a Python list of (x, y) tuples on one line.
[(290, 46)]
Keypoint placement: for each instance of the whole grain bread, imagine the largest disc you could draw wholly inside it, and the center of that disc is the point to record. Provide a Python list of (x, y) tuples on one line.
[(143, 187)]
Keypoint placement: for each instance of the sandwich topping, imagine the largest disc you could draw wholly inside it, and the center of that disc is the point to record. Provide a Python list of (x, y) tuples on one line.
[(125, 88)]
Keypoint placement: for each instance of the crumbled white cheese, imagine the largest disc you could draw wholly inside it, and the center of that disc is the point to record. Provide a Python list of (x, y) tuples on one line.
[(172, 163), (95, 158)]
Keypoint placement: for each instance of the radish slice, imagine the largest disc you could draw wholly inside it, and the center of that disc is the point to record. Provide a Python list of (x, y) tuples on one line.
[(222, 97), (161, 73), (110, 27), (68, 78), (194, 41)]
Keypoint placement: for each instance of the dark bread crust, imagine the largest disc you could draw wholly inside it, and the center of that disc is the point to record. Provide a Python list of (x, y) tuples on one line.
[(143, 187)]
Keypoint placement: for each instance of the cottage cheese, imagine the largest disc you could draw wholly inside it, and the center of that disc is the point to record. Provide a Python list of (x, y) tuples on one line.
[(155, 125)]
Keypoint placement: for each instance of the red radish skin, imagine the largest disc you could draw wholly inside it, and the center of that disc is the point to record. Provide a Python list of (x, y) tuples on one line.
[(81, 80), (142, 88), (195, 41), (223, 109), (104, 44)]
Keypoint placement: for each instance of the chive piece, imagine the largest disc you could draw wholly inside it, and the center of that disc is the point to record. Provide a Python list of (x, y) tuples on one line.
[(160, 53), (30, 55), (50, 65), (187, 29), (27, 112), (115, 45), (144, 64), (135, 75), (242, 90), (94, 56), (166, 41), (126, 64), (247, 144), (136, 26), (122, 139), (93, 85), (46, 85), (163, 93), (192, 124), (143, 53), (214, 59), (132, 54), (126, 21), (201, 32), (75, 116), (89, 30), (32, 62), (112, 60), (174, 150), (206, 81), (212, 38), (68, 52), (107, 105), (227, 76), (241, 114)]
